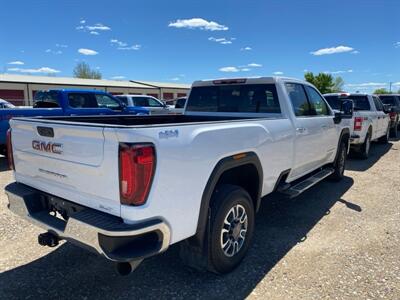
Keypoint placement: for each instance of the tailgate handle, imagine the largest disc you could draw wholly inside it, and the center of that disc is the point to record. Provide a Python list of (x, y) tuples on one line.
[(45, 131)]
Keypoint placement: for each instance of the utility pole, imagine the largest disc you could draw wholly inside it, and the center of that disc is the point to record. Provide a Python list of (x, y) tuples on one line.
[(390, 87)]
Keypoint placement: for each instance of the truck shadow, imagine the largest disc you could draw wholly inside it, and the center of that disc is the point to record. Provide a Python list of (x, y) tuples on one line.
[(375, 154), (3, 164), (70, 272)]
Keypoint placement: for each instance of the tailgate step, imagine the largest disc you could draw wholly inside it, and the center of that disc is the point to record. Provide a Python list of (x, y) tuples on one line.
[(304, 185)]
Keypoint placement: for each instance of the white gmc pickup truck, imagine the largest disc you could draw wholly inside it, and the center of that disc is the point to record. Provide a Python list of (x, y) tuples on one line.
[(128, 187)]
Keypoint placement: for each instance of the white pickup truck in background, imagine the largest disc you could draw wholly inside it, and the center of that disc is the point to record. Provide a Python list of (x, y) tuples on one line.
[(370, 121), (129, 187)]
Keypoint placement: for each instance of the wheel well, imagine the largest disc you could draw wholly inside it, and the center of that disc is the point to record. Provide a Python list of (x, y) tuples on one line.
[(245, 176)]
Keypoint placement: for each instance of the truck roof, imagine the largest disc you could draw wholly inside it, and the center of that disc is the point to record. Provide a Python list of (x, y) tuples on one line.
[(245, 80), (76, 91), (346, 94)]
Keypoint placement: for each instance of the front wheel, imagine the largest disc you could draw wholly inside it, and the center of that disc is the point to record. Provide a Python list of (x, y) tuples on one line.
[(231, 227)]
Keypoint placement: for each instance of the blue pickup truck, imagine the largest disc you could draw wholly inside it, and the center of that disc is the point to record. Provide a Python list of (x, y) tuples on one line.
[(67, 103)]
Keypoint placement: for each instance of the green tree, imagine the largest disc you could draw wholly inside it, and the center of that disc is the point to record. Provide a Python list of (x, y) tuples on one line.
[(83, 70), (381, 91), (338, 84), (323, 82)]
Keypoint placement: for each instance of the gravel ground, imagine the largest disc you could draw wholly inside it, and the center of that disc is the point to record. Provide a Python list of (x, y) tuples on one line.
[(336, 241)]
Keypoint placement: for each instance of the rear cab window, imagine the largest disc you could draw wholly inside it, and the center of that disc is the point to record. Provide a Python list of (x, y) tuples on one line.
[(234, 98), (391, 100), (361, 102), (46, 99)]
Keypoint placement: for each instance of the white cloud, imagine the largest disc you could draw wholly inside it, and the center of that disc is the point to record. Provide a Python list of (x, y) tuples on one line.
[(93, 28), (278, 73), (332, 50), (98, 26), (85, 51), (246, 49), (17, 62), (222, 41), (198, 23), (82, 21), (366, 85), (124, 46), (175, 79), (229, 69), (46, 70), (119, 77), (56, 52), (397, 45), (355, 52), (61, 46), (338, 72), (245, 69), (254, 65), (119, 43)]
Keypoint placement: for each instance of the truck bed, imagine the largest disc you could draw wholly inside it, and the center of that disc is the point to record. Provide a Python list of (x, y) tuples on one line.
[(129, 120)]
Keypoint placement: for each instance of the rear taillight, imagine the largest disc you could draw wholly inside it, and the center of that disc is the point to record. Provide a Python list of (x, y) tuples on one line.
[(137, 164), (358, 123), (392, 116), (10, 151)]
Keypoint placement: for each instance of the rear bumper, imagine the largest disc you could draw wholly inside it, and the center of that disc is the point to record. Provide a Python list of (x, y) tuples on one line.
[(89, 228)]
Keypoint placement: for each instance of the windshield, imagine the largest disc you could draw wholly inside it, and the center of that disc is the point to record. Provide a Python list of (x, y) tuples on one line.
[(360, 102), (246, 98)]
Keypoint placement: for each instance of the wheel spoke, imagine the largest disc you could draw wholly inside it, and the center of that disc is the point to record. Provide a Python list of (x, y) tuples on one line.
[(242, 233)]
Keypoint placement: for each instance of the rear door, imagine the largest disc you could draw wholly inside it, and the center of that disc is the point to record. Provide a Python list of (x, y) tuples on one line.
[(310, 142), (77, 163), (383, 118), (81, 103), (154, 106)]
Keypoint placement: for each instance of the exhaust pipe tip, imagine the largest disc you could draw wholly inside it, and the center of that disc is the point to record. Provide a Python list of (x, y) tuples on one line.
[(126, 268)]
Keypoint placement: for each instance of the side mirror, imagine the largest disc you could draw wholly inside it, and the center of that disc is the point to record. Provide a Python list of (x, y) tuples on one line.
[(387, 108), (347, 108), (346, 111)]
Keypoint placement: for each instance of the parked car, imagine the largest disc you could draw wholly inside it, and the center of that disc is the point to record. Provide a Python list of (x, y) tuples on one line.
[(179, 105), (370, 121), (67, 103), (6, 104), (154, 105), (129, 187), (393, 101)]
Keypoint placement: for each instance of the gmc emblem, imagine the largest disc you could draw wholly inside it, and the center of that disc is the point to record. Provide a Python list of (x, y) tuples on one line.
[(47, 147)]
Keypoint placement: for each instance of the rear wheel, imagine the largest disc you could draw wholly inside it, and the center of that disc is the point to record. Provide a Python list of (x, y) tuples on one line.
[(364, 150), (340, 163), (231, 227), (385, 139)]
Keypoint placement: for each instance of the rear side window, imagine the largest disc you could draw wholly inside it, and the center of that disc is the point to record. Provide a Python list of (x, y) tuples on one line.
[(249, 98), (141, 101), (378, 103), (318, 104), (180, 103), (46, 99), (105, 101), (298, 98)]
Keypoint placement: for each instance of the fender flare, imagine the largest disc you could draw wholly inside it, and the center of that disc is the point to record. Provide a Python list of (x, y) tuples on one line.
[(222, 166), (345, 132)]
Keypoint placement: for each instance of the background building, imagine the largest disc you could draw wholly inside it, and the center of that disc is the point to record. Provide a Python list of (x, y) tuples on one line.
[(20, 89)]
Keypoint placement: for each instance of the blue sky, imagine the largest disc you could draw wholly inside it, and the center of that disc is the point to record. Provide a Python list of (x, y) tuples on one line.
[(183, 41)]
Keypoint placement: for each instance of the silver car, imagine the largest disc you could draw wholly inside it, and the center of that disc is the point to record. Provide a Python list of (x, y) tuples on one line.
[(155, 106)]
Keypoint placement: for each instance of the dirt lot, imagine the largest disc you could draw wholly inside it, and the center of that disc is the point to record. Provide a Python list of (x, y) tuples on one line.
[(336, 241)]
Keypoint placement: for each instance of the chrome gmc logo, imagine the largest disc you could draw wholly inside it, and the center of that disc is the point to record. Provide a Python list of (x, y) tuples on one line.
[(47, 147)]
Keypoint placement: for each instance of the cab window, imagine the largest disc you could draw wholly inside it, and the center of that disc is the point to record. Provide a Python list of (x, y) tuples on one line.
[(298, 97)]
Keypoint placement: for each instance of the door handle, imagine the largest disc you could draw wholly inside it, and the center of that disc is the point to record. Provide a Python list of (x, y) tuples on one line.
[(301, 129)]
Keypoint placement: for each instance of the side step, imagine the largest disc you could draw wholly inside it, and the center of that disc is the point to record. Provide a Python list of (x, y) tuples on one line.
[(298, 188)]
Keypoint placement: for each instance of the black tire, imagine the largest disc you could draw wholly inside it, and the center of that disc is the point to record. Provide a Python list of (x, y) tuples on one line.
[(365, 147), (385, 139), (225, 199), (340, 163), (394, 131)]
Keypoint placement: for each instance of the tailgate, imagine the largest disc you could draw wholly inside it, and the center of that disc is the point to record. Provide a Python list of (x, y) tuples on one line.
[(68, 161)]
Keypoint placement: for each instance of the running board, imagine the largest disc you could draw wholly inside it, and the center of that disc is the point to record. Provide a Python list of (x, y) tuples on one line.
[(304, 185)]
